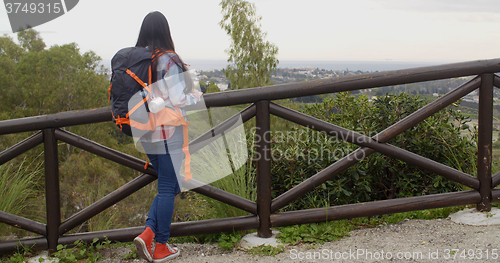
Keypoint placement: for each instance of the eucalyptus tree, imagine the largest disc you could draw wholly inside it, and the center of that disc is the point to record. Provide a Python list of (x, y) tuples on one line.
[(252, 58)]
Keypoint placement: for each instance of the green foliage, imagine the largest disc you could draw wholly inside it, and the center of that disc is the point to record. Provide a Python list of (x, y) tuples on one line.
[(88, 187), (428, 214), (315, 233), (18, 189), (203, 86), (69, 83), (212, 87), (17, 186), (36, 80), (252, 58), (303, 152), (30, 41), (19, 256), (132, 254), (227, 241), (241, 183), (264, 250), (81, 251)]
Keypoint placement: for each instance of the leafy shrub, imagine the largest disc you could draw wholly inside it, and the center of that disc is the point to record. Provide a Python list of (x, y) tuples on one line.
[(299, 154), (315, 232), (82, 251)]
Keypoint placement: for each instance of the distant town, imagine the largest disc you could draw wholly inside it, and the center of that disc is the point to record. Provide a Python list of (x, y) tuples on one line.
[(289, 75)]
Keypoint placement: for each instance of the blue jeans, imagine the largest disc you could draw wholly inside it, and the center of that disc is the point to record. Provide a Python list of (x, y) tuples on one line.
[(167, 163)]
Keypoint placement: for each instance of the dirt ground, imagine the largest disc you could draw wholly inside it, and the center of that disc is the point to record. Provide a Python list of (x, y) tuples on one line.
[(408, 241)]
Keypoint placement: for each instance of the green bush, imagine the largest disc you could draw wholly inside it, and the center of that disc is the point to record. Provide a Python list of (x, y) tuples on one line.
[(301, 153)]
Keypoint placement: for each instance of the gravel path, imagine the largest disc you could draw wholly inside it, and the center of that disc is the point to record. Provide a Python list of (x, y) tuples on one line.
[(408, 241)]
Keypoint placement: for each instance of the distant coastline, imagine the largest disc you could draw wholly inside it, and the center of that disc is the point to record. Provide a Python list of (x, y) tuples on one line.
[(328, 65), (199, 64)]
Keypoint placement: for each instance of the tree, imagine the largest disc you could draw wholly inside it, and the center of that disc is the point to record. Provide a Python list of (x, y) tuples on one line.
[(251, 57), (203, 86), (30, 40), (9, 49), (36, 80), (212, 87)]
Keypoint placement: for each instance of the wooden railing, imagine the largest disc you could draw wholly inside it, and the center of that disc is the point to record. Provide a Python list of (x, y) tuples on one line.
[(264, 210)]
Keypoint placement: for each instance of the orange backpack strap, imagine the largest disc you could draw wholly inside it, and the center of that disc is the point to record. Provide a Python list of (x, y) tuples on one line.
[(157, 53), (185, 148), (109, 92), (137, 106), (132, 74), (119, 121)]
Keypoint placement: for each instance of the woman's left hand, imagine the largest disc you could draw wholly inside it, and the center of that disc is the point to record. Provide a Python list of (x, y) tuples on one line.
[(197, 94)]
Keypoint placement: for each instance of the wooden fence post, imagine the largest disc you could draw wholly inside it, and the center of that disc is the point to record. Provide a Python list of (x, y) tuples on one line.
[(52, 196), (263, 147), (485, 126)]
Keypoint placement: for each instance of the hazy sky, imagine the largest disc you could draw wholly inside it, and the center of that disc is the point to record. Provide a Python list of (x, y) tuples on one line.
[(346, 30)]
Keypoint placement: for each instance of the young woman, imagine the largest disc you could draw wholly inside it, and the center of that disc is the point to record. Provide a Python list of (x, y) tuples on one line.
[(164, 146)]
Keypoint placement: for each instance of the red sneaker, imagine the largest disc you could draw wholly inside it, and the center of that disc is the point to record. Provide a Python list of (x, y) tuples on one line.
[(164, 252), (144, 243)]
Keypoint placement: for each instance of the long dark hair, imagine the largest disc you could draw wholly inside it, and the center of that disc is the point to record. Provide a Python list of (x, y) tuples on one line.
[(155, 34)]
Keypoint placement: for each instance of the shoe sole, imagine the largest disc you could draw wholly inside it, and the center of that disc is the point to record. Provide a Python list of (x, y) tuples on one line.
[(165, 259), (142, 249)]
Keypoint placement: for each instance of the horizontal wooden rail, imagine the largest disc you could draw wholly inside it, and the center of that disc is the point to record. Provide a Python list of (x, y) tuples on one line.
[(374, 208), (105, 202), (62, 119), (38, 243), (21, 147), (24, 223), (136, 184), (495, 194), (496, 81), (495, 180), (127, 234), (103, 151), (225, 126)]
